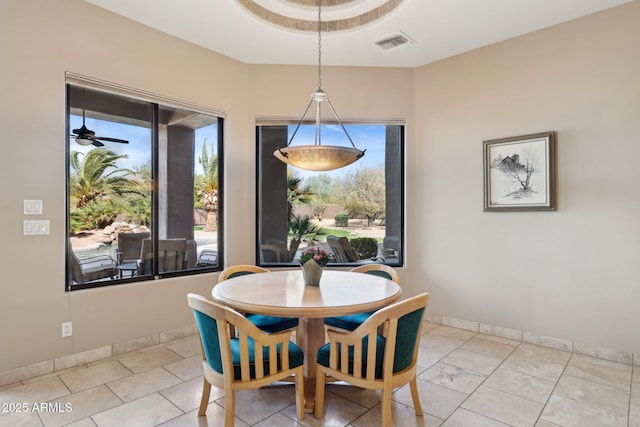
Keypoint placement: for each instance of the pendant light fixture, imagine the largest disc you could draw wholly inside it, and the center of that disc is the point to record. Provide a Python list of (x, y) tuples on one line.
[(318, 157)]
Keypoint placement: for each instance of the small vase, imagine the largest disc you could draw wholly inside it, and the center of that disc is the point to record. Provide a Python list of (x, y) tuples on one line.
[(311, 273)]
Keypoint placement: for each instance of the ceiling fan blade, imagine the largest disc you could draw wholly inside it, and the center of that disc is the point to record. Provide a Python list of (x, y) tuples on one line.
[(97, 143), (121, 141)]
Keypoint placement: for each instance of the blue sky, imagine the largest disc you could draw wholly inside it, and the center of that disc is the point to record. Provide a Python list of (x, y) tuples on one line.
[(369, 137), (139, 148)]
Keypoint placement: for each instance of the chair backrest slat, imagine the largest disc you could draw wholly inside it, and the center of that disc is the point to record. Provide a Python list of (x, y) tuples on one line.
[(245, 372), (333, 354), (357, 355), (371, 355), (273, 358), (344, 359), (391, 350), (258, 357), (284, 357)]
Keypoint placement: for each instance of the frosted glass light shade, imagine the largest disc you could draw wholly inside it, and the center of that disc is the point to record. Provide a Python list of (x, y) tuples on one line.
[(318, 157)]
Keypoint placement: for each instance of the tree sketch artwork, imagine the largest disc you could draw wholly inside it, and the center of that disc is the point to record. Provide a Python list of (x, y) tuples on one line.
[(519, 173)]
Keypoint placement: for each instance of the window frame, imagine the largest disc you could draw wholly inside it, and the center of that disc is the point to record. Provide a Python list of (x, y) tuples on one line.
[(265, 122), (156, 103)]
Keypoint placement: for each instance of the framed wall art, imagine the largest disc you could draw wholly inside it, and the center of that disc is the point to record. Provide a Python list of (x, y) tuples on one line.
[(519, 173)]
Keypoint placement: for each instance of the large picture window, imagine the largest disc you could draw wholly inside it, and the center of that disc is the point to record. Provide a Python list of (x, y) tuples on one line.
[(355, 213), (144, 188)]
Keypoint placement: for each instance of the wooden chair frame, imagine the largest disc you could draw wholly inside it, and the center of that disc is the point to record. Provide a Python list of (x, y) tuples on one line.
[(226, 318), (367, 269), (377, 267), (229, 271), (368, 380)]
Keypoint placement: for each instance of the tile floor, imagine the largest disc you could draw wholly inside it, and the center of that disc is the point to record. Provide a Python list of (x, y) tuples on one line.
[(465, 379)]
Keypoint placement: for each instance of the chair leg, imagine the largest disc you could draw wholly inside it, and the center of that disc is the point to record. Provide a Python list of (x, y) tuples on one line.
[(204, 400), (386, 406), (229, 408), (320, 380), (299, 379), (416, 397)]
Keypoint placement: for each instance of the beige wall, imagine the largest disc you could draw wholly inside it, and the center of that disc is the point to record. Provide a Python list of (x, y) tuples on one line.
[(40, 41), (571, 273)]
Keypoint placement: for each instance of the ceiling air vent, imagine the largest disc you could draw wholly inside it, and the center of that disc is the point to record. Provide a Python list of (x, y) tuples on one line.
[(394, 41)]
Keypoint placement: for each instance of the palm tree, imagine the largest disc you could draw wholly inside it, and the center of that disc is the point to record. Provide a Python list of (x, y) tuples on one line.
[(296, 195), (208, 187), (301, 228), (92, 182)]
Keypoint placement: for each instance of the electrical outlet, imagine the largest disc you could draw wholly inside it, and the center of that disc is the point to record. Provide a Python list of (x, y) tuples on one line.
[(67, 329)]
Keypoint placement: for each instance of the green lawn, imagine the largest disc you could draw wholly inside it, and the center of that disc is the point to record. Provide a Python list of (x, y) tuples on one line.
[(341, 232), (336, 232)]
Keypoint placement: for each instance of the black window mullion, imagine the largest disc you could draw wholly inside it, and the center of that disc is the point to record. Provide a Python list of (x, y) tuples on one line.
[(155, 210)]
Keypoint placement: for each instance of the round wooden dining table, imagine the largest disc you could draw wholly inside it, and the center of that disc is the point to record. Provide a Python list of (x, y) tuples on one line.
[(284, 294)]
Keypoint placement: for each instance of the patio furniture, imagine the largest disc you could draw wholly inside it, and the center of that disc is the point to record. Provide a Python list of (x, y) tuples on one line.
[(92, 268), (130, 246), (208, 257), (365, 359), (172, 254), (343, 252), (252, 360), (273, 253)]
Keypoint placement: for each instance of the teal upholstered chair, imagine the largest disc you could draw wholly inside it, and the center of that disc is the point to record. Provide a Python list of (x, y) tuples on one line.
[(266, 323), (352, 321), (253, 359), (365, 359)]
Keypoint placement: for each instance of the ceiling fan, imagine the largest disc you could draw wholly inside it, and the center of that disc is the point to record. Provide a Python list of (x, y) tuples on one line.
[(85, 136)]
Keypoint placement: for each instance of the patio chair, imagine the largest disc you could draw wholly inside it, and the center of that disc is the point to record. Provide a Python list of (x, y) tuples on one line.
[(252, 360), (266, 323), (365, 359), (344, 252), (172, 255), (274, 253), (130, 246), (352, 321), (92, 268), (208, 257)]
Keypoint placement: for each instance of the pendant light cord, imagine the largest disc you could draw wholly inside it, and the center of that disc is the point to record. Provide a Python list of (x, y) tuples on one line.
[(319, 96), (319, 45)]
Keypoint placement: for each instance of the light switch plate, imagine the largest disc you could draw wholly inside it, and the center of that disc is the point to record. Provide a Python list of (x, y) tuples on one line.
[(33, 207), (35, 228)]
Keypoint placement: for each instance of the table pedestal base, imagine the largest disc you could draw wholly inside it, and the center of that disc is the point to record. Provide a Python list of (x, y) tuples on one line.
[(310, 337)]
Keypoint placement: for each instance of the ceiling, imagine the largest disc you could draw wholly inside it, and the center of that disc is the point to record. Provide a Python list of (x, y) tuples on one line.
[(249, 30)]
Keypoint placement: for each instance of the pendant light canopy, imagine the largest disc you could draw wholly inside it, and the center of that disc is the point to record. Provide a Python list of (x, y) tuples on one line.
[(318, 157)]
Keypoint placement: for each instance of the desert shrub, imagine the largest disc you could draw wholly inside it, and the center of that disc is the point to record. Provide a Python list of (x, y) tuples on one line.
[(367, 247), (342, 220)]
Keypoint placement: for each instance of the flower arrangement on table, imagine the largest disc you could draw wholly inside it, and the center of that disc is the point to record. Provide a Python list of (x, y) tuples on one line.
[(320, 256)]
